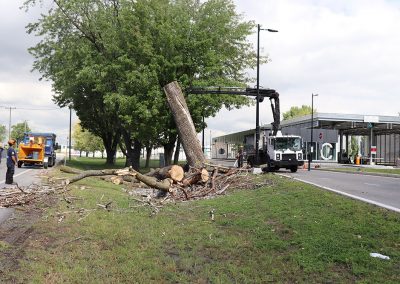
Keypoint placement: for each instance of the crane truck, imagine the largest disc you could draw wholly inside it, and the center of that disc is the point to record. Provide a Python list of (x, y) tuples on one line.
[(278, 151)]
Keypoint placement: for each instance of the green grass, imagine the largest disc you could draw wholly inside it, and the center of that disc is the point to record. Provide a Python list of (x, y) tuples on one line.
[(89, 163), (367, 170), (290, 232)]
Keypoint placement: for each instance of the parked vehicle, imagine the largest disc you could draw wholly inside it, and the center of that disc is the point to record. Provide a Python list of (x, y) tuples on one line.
[(280, 151), (37, 149)]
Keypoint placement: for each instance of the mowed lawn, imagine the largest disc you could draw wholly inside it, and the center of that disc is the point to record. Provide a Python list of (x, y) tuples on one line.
[(285, 232)]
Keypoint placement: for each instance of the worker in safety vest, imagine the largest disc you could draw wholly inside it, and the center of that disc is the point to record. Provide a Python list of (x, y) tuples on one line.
[(11, 162)]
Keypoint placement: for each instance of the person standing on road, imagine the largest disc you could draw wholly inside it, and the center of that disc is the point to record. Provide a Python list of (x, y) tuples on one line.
[(11, 162), (239, 157)]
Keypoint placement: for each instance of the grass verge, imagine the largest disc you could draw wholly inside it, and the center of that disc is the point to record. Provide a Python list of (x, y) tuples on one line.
[(366, 170), (286, 233), (88, 163)]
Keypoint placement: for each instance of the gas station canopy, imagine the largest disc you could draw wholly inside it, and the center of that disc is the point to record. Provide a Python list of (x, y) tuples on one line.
[(351, 124)]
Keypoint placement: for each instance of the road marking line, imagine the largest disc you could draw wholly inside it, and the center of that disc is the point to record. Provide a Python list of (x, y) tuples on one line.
[(348, 195), (372, 184), (21, 173)]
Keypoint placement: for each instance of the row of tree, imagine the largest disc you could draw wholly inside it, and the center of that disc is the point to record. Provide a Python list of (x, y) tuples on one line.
[(17, 131), (109, 59)]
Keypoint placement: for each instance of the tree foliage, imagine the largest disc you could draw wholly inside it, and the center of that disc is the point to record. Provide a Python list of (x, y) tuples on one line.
[(297, 111), (2, 132), (85, 140), (18, 130), (109, 59)]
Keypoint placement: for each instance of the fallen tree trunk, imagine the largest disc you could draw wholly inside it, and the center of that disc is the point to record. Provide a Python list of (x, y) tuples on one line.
[(70, 170), (184, 124), (92, 173), (163, 185)]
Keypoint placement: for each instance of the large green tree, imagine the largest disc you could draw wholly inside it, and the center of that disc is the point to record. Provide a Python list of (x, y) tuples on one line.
[(109, 60), (297, 111)]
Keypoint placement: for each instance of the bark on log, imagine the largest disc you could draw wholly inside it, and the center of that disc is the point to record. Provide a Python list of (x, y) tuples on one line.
[(70, 170), (91, 173), (184, 123), (163, 185)]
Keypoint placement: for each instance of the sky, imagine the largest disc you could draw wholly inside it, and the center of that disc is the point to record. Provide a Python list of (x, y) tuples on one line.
[(346, 51)]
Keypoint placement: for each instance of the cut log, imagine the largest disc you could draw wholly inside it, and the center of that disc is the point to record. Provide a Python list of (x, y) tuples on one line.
[(184, 123), (199, 176), (163, 185), (117, 180), (174, 172)]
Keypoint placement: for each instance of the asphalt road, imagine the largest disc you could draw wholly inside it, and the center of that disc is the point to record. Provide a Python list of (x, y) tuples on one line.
[(381, 191)]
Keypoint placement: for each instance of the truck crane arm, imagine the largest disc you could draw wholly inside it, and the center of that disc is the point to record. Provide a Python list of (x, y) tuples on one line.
[(262, 93)]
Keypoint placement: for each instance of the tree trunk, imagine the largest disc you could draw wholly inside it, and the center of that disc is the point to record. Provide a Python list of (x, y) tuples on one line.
[(177, 150), (184, 123), (168, 152), (137, 149), (110, 156), (148, 155), (87, 154), (80, 153), (133, 149), (110, 142)]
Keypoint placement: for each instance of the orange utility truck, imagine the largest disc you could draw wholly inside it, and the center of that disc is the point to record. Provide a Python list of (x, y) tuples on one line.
[(37, 149)]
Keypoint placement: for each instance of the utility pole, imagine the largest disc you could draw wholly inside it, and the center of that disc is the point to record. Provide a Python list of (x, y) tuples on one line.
[(9, 121)]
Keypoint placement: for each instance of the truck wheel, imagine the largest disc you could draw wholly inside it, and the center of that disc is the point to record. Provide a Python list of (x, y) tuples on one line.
[(45, 165), (50, 162), (19, 164), (293, 169)]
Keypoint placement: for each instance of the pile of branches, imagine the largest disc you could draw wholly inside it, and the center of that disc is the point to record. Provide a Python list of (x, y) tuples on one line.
[(173, 182), (20, 195)]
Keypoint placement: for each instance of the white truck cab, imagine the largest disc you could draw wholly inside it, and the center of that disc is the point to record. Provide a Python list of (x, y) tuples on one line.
[(283, 151), (279, 151)]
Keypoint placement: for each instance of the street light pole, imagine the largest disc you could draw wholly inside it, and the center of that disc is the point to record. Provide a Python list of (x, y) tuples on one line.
[(312, 128), (258, 91)]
